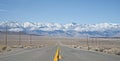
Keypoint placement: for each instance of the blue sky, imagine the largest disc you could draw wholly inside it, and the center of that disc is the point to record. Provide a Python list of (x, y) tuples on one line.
[(61, 11)]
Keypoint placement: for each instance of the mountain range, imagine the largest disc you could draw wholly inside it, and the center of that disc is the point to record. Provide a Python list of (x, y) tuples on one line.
[(63, 30)]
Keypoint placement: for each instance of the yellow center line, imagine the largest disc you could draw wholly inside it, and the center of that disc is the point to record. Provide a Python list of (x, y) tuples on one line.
[(57, 56)]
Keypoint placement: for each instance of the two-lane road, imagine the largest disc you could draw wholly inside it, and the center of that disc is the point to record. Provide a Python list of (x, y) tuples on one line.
[(68, 54)]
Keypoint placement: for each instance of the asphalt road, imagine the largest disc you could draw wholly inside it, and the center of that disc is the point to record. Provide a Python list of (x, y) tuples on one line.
[(67, 53)]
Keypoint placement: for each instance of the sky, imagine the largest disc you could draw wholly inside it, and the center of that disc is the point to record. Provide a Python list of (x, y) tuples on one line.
[(61, 11)]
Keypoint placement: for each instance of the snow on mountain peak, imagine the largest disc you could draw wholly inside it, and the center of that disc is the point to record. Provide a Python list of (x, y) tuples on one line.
[(51, 27), (28, 24)]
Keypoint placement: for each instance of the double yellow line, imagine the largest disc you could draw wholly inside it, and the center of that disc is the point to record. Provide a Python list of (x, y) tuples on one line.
[(57, 55)]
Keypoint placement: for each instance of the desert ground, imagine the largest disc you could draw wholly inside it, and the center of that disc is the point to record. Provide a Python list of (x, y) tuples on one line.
[(17, 42)]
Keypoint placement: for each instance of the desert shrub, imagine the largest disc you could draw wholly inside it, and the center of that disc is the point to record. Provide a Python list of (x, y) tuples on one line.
[(21, 46), (96, 49), (9, 49), (80, 47), (89, 48), (118, 53), (4, 47), (14, 46), (115, 51), (28, 46), (75, 46), (0, 51), (39, 46), (101, 49)]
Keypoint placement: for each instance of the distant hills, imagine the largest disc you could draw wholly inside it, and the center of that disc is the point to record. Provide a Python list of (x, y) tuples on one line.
[(64, 30)]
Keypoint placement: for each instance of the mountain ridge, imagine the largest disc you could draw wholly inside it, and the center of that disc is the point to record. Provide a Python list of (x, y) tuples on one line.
[(67, 30)]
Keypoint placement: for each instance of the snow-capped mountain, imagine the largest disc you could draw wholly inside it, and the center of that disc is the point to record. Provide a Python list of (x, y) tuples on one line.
[(56, 29)]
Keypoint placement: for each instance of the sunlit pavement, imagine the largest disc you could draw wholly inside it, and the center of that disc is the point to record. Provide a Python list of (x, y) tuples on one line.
[(67, 54)]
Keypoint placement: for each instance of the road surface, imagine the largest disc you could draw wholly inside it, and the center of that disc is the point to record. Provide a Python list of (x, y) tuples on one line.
[(67, 53)]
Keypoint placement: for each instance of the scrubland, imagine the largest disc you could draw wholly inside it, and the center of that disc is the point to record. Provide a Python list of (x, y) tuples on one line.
[(104, 45)]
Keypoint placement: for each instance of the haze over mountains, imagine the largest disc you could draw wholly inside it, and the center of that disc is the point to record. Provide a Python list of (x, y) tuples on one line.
[(68, 30)]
